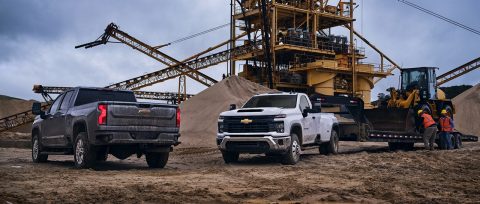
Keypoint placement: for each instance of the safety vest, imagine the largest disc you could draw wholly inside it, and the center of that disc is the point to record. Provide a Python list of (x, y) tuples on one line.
[(446, 125), (427, 120)]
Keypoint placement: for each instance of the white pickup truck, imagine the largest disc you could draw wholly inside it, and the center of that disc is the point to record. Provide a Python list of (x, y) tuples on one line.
[(280, 124)]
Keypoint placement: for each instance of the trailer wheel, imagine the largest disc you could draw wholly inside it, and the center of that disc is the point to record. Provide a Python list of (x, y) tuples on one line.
[(408, 146), (457, 140), (230, 157), (394, 146)]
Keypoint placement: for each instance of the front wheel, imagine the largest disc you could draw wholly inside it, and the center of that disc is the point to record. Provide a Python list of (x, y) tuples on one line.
[(293, 154), (37, 157), (157, 159), (84, 153), (230, 157)]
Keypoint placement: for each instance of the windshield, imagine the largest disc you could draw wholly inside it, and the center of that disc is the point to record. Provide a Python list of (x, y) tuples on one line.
[(278, 101), (413, 79), (91, 95)]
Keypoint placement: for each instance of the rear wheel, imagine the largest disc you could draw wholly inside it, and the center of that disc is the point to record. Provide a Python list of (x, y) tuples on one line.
[(230, 157), (84, 153), (157, 159), (102, 154), (37, 157), (333, 144), (293, 154)]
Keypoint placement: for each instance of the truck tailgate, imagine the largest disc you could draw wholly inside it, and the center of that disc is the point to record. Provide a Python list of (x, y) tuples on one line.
[(141, 114)]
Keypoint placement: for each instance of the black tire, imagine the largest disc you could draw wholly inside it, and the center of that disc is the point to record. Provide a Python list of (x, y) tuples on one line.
[(84, 153), (408, 146), (230, 157), (394, 146), (293, 154), (157, 159), (102, 154), (333, 144), (457, 140), (37, 156), (323, 148)]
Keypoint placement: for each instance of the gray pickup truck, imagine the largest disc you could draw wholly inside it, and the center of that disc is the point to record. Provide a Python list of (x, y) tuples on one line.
[(92, 123)]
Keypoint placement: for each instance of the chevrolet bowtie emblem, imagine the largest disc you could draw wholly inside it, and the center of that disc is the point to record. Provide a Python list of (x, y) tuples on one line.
[(246, 121)]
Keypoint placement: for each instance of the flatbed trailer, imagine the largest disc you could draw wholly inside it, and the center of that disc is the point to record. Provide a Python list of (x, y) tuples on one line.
[(354, 124)]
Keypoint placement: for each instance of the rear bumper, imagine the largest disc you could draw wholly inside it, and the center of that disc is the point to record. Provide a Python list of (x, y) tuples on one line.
[(136, 137), (254, 144)]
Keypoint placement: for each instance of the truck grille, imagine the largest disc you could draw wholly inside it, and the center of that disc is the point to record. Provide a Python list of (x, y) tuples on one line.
[(257, 124)]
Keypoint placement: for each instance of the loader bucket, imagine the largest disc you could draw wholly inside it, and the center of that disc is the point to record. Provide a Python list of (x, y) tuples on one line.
[(391, 119)]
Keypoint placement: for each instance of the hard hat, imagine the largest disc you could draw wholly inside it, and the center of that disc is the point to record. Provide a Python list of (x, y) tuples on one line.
[(444, 111), (419, 111)]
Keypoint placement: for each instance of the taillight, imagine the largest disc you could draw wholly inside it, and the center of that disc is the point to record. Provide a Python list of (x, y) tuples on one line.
[(102, 117), (178, 117)]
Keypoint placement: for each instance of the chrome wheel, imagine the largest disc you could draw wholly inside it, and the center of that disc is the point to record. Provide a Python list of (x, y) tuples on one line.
[(35, 149), (79, 151), (335, 143), (296, 151)]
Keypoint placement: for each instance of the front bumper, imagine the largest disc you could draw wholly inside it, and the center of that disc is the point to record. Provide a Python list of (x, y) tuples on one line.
[(254, 144)]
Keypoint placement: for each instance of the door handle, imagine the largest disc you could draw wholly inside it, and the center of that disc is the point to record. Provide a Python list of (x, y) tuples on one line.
[(313, 117)]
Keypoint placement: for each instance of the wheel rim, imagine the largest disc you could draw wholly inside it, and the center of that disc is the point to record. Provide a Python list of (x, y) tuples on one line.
[(35, 148), (79, 151), (335, 143), (295, 150)]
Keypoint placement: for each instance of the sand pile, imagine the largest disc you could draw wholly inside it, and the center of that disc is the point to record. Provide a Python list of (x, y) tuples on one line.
[(200, 113), (9, 106), (467, 106)]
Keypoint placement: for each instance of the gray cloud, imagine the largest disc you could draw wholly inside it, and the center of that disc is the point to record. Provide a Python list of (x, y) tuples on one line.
[(37, 39)]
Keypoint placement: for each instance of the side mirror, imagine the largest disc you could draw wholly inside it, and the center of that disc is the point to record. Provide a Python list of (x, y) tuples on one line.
[(305, 112), (233, 106), (37, 109)]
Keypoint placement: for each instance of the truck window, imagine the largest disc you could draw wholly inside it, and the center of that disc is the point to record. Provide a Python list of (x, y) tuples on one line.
[(55, 104), (303, 103), (91, 95), (66, 100), (280, 101)]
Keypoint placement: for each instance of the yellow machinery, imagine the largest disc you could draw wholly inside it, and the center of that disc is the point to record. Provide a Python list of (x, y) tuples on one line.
[(304, 54)]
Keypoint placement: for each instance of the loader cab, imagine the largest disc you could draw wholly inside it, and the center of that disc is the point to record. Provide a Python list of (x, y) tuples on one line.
[(421, 78)]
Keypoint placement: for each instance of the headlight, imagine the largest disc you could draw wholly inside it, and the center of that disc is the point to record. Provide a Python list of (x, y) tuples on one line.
[(279, 127), (220, 127), (221, 117)]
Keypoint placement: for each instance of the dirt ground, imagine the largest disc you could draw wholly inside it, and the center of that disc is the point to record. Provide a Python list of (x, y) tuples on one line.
[(363, 172)]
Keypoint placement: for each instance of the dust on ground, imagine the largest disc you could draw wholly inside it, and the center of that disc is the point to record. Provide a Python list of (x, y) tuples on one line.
[(363, 172)]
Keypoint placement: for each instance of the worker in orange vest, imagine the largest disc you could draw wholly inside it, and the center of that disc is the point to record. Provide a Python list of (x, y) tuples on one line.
[(446, 129), (430, 129)]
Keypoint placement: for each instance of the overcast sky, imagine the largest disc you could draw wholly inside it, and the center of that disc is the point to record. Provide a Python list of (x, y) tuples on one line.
[(37, 39)]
